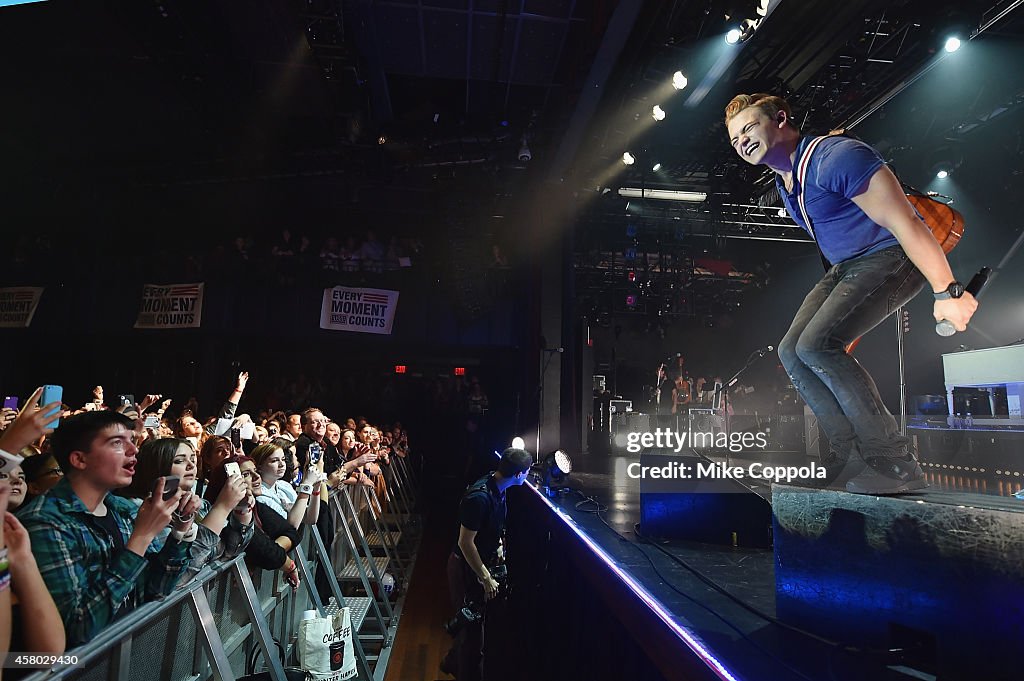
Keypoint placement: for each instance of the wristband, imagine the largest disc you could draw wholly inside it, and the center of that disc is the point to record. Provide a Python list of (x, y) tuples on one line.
[(178, 518), (5, 580), (4, 563), (306, 488)]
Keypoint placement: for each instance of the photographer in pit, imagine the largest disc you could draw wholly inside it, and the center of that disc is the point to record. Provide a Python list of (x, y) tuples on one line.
[(470, 582)]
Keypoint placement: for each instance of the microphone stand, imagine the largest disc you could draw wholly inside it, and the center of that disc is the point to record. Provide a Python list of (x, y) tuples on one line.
[(754, 356)]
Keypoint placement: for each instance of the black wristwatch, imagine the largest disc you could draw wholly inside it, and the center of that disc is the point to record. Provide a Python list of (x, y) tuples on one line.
[(954, 290)]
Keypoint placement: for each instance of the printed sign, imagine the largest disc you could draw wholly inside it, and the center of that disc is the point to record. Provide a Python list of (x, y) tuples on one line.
[(363, 310), (170, 306), (17, 305)]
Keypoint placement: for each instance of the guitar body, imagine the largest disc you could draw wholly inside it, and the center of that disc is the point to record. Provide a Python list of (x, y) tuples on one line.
[(945, 222)]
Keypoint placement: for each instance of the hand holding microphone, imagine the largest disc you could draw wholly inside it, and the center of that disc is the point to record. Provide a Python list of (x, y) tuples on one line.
[(956, 306)]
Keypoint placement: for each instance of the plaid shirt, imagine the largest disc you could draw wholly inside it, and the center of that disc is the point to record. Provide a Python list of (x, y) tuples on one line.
[(90, 579)]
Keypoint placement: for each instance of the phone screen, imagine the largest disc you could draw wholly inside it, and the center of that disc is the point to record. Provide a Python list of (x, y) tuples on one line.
[(171, 483), (11, 402), (152, 421)]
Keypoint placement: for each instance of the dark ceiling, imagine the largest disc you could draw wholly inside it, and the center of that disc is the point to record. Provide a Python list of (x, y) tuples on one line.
[(393, 93)]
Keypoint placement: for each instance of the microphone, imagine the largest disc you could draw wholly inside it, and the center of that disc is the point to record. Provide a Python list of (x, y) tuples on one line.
[(944, 327)]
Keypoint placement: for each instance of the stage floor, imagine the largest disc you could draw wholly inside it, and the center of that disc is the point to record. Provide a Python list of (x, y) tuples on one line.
[(705, 587)]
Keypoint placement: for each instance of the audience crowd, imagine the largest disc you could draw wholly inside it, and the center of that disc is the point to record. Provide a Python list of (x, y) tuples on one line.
[(112, 506)]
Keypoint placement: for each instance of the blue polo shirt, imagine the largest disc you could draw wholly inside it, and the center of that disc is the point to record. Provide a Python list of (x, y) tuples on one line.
[(839, 170)]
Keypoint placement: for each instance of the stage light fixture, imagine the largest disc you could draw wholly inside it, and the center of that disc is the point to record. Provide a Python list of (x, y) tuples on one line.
[(554, 469), (628, 158), (518, 443), (662, 194), (631, 301), (657, 113), (733, 36), (942, 174), (679, 80), (656, 167), (952, 44)]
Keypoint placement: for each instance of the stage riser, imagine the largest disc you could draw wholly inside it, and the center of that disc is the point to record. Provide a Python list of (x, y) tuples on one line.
[(883, 572), (712, 511)]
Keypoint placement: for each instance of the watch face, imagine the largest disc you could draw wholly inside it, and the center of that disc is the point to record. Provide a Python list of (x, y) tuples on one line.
[(956, 289)]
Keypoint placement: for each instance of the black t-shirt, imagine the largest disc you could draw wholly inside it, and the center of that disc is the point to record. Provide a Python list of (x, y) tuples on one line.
[(483, 509), (107, 523), (331, 457)]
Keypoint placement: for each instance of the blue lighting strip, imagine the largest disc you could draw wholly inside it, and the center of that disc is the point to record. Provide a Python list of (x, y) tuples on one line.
[(691, 641)]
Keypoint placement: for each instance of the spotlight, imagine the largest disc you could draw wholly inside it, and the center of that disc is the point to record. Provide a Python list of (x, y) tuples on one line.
[(554, 469), (383, 139), (678, 80), (631, 301), (656, 167), (518, 443), (733, 36), (942, 174), (952, 44), (628, 158), (657, 113)]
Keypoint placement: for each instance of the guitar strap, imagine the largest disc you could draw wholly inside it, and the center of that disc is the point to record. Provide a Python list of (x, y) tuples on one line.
[(801, 177)]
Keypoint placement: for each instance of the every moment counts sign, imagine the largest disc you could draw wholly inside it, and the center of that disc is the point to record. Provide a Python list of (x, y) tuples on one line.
[(170, 306), (362, 310)]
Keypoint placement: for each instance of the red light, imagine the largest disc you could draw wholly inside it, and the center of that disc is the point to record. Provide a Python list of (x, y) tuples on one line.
[(631, 276), (399, 368), (460, 371)]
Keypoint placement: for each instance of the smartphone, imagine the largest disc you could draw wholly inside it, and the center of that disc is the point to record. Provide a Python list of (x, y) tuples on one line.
[(126, 400), (171, 483), (315, 452), (236, 438), (11, 402), (152, 421), (51, 393), (231, 468)]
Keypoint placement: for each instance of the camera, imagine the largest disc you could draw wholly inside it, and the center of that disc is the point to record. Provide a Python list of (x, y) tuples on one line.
[(473, 612), (469, 614), (315, 452)]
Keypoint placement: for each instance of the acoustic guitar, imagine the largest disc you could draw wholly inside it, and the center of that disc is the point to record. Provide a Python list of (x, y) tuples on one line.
[(945, 222)]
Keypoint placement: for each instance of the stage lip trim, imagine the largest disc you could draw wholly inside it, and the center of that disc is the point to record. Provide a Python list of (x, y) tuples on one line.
[(691, 640)]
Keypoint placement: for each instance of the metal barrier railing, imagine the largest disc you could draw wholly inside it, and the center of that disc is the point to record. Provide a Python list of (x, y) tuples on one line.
[(207, 629)]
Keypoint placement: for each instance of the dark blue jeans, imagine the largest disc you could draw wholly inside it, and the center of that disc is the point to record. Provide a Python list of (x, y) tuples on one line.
[(851, 299)]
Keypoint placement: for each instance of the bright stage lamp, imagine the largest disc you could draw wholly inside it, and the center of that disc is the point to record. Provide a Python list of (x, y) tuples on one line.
[(952, 44), (628, 158), (518, 443), (678, 80), (942, 174), (657, 113), (656, 167), (733, 36), (555, 468)]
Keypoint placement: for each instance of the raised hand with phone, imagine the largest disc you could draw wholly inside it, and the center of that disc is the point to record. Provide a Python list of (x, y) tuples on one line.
[(31, 424), (154, 515)]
